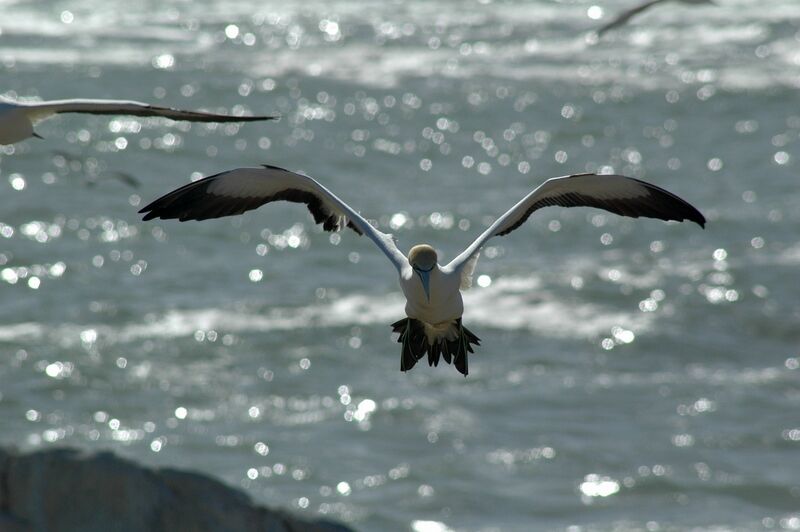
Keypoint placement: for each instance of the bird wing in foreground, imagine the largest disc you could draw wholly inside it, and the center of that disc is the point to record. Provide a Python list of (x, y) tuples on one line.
[(621, 195), (243, 189), (42, 110)]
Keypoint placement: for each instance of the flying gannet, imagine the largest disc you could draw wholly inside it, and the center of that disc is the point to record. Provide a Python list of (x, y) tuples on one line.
[(628, 14), (18, 118), (433, 292)]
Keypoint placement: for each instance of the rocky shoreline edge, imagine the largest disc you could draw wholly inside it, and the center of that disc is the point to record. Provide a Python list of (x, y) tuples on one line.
[(69, 490)]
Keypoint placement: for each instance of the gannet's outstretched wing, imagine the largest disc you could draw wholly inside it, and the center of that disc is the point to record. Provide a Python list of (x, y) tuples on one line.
[(243, 189), (621, 195), (41, 110)]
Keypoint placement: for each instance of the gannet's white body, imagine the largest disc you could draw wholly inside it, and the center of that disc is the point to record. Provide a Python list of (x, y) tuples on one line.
[(18, 118), (433, 292), (445, 303)]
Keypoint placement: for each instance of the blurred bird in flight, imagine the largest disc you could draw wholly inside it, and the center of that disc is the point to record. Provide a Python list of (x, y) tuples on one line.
[(18, 118), (628, 14)]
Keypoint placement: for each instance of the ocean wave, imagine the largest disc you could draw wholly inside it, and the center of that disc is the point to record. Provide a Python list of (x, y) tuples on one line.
[(380, 48), (512, 303)]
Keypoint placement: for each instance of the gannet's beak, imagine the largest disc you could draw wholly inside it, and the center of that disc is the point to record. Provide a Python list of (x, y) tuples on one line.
[(425, 277)]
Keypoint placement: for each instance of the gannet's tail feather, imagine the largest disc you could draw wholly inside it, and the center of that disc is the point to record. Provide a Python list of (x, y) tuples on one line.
[(412, 336), (453, 344)]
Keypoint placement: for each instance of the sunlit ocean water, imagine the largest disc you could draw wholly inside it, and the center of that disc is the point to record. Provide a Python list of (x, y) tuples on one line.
[(634, 375)]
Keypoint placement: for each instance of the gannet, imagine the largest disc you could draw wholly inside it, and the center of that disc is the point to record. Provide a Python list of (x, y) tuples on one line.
[(434, 306), (18, 118), (625, 16)]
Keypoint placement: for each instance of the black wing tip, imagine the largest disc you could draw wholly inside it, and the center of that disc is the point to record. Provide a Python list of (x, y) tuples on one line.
[(273, 167), (675, 209), (151, 208), (209, 115), (257, 118), (695, 217), (157, 210), (213, 117), (149, 213), (691, 213), (173, 205), (163, 215)]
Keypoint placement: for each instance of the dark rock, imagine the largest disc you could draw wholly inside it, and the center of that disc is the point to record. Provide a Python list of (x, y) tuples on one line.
[(66, 490)]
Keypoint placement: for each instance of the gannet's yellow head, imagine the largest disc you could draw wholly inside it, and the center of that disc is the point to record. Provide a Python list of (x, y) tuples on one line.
[(423, 259)]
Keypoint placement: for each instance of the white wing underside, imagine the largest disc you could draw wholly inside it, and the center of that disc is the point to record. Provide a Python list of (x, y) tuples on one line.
[(244, 189), (468, 270)]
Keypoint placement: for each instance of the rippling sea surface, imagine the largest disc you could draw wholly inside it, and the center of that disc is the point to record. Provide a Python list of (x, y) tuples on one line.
[(634, 374)]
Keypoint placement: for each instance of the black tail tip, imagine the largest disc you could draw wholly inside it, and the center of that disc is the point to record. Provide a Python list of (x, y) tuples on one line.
[(415, 345)]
